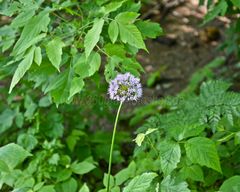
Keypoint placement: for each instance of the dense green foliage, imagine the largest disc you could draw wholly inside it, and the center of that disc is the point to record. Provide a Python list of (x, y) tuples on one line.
[(59, 56)]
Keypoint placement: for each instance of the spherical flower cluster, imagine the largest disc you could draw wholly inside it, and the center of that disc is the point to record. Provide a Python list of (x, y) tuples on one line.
[(125, 87)]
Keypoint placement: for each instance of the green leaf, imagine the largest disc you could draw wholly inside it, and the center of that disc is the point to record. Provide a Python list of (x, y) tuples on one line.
[(130, 34), (22, 18), (12, 154), (47, 188), (69, 185), (4, 167), (113, 6), (76, 86), (170, 185), (149, 29), (54, 52), (6, 119), (38, 55), (140, 183), (231, 185), (170, 154), (236, 3), (94, 62), (27, 141), (84, 188), (193, 172), (92, 36), (63, 175), (111, 182), (115, 49), (126, 173), (22, 68), (127, 17), (86, 67), (82, 168), (113, 31), (220, 8), (203, 151), (31, 30)]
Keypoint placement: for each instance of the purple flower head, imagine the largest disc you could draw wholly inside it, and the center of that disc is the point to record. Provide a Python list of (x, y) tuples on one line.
[(125, 87)]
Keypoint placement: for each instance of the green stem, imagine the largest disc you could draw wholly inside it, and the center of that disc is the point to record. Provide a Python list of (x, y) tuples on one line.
[(112, 145)]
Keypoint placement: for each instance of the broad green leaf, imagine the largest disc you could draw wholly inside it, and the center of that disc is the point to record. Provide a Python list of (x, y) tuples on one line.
[(82, 167), (22, 18), (127, 17), (113, 6), (92, 36), (236, 3), (149, 29), (22, 68), (203, 151), (76, 86), (69, 185), (111, 182), (84, 188), (94, 61), (38, 56), (27, 141), (63, 175), (113, 31), (126, 173), (115, 49), (12, 154), (86, 67), (170, 154), (130, 34), (4, 167), (193, 172), (170, 185), (140, 183), (231, 185), (54, 52), (47, 188), (6, 119), (30, 31)]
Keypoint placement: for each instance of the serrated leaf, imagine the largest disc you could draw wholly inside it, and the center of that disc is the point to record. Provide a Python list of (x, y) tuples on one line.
[(203, 151), (140, 183), (12, 154), (22, 68), (93, 35), (170, 185), (31, 30), (76, 86), (130, 34), (149, 29), (127, 17), (113, 6), (193, 172), (170, 154), (113, 31), (22, 18), (38, 56), (82, 167), (94, 62), (54, 52), (231, 185), (126, 173)]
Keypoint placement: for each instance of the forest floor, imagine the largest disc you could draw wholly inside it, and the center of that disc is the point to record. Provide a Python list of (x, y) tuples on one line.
[(185, 47)]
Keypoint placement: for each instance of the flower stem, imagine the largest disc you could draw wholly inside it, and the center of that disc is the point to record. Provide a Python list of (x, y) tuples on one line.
[(112, 145)]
